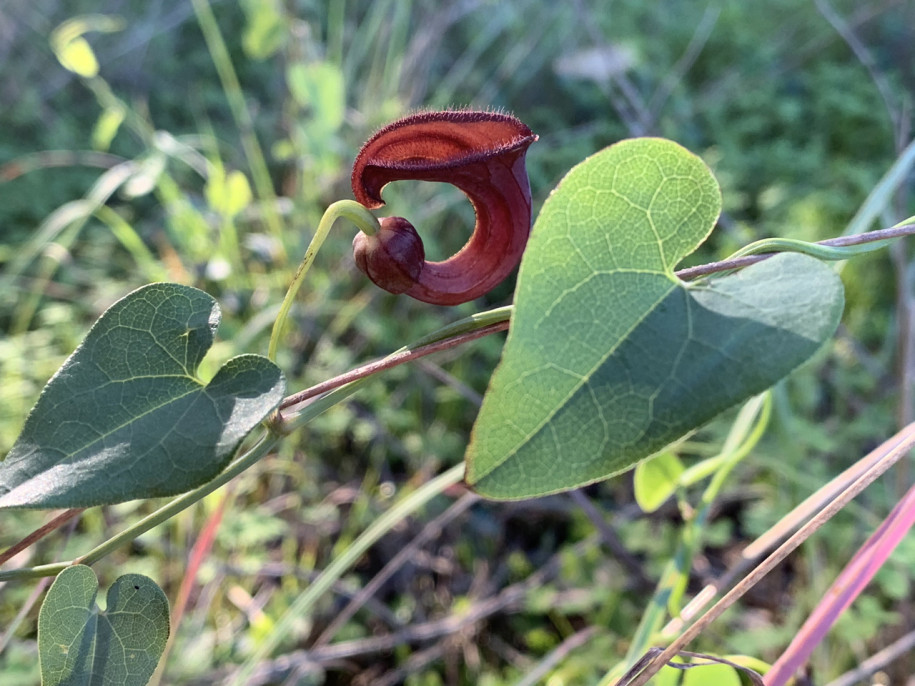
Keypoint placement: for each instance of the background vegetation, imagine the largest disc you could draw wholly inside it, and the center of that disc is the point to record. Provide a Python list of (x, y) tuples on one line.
[(209, 163)]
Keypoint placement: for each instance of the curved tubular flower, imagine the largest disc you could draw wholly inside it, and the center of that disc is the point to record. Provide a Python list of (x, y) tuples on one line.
[(481, 153)]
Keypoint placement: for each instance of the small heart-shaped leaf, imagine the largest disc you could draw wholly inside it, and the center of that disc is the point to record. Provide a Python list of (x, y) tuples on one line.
[(79, 645), (655, 480), (610, 357), (126, 418)]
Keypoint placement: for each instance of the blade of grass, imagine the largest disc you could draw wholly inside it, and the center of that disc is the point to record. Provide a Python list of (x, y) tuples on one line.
[(151, 268), (775, 535), (876, 662), (64, 223), (882, 194), (430, 531), (236, 99), (891, 451), (847, 586), (336, 31), (399, 28)]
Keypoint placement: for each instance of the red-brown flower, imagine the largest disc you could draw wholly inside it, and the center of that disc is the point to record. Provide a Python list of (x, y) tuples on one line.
[(482, 153)]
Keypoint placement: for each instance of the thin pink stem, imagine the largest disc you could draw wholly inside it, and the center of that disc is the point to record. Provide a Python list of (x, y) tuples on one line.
[(847, 586)]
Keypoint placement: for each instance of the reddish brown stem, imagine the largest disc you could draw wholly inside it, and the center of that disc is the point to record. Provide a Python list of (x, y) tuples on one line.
[(390, 361), (39, 533)]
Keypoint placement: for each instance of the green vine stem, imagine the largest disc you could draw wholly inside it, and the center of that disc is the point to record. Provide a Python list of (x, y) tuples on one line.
[(264, 445), (819, 250), (823, 249), (346, 209)]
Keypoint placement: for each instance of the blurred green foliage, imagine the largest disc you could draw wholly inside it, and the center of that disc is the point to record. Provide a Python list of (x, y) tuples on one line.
[(769, 95)]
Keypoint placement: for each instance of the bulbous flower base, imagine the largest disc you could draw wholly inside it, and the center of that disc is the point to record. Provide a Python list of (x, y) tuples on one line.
[(393, 258)]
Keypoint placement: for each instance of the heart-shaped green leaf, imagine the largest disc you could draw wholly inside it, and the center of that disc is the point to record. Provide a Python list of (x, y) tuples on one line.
[(79, 645), (610, 357), (125, 417)]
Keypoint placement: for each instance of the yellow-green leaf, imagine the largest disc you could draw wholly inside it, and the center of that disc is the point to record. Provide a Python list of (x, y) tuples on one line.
[(656, 479), (320, 88), (228, 194), (77, 56), (72, 50)]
